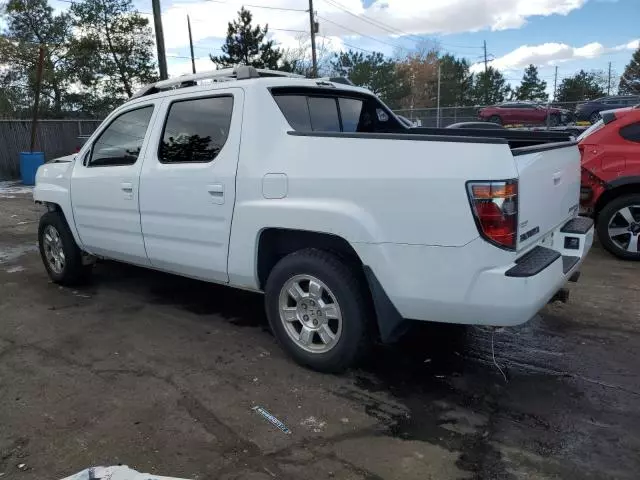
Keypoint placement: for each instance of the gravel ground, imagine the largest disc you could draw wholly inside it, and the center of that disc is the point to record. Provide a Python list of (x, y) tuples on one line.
[(161, 373)]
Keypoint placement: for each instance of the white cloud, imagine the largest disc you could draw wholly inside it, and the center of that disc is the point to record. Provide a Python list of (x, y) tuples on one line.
[(415, 17), (552, 53)]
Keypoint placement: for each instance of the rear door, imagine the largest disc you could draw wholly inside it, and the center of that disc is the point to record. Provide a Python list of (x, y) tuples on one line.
[(548, 189), (104, 185), (187, 185)]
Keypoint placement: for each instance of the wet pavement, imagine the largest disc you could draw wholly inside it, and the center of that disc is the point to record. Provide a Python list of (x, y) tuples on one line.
[(161, 373)]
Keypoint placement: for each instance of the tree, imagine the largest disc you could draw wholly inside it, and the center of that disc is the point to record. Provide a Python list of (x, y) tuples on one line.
[(298, 59), (581, 86), (30, 24), (489, 88), (418, 74), (455, 81), (246, 45), (531, 87), (630, 80), (113, 52), (373, 71)]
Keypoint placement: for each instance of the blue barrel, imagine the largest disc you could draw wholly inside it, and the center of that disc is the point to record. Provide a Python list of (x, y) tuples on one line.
[(29, 163)]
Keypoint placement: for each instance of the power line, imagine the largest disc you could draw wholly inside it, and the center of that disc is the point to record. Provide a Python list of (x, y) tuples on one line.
[(361, 34), (264, 6)]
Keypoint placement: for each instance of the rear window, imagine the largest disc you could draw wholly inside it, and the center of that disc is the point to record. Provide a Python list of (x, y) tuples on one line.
[(324, 114)]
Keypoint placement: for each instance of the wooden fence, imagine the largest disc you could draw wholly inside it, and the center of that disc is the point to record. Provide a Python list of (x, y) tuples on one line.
[(54, 137)]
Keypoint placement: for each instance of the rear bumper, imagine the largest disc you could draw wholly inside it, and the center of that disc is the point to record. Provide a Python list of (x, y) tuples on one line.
[(478, 284)]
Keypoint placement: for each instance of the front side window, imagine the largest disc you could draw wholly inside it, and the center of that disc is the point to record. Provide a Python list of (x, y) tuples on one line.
[(196, 130), (120, 143)]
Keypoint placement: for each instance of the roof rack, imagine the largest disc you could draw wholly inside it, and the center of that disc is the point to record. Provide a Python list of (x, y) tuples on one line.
[(223, 75)]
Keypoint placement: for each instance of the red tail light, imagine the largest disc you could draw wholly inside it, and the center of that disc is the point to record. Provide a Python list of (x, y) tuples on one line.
[(495, 208)]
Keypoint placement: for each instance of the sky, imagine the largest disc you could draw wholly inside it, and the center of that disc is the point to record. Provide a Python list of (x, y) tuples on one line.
[(569, 34)]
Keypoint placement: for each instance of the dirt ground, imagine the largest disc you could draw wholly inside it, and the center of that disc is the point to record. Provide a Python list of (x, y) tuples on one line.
[(161, 373)]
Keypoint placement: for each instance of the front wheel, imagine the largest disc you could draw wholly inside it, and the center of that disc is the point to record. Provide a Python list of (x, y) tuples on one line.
[(317, 308), (61, 256), (495, 119), (594, 117), (618, 227)]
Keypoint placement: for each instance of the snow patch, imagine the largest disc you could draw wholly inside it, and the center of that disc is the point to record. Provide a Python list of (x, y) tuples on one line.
[(8, 254), (8, 189)]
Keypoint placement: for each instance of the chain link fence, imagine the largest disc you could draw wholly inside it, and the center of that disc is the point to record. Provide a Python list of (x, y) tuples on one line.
[(520, 114)]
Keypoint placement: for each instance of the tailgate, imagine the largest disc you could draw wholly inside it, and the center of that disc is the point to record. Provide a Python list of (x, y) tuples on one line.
[(548, 189)]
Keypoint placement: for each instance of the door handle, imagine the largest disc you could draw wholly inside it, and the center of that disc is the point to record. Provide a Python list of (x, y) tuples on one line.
[(216, 193), (127, 188)]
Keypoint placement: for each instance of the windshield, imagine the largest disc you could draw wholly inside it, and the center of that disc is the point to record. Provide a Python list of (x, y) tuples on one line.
[(592, 129)]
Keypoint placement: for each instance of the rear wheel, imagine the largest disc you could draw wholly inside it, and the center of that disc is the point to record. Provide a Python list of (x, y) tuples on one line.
[(619, 227), (317, 308), (60, 254), (495, 119)]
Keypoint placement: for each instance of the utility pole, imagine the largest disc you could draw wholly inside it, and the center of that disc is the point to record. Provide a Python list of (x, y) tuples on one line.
[(486, 76), (193, 60), (555, 84), (438, 100), (609, 80), (157, 21), (36, 99), (313, 25)]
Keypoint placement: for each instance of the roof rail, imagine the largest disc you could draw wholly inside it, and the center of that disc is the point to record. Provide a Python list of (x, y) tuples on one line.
[(240, 72)]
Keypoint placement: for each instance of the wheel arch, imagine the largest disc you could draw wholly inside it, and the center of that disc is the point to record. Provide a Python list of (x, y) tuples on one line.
[(617, 188)]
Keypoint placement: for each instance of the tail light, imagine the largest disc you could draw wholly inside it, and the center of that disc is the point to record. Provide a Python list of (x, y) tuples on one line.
[(495, 208)]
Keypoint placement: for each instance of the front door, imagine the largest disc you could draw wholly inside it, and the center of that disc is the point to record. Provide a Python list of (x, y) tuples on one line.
[(104, 186), (187, 184)]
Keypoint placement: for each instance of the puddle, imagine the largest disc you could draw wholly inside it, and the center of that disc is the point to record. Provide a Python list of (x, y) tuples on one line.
[(11, 253)]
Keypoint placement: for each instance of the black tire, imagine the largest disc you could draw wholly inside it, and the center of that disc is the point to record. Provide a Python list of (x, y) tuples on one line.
[(554, 120), (605, 217), (73, 272), (495, 119), (594, 117), (347, 286)]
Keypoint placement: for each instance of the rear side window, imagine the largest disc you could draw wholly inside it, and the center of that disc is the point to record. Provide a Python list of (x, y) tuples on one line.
[(196, 130), (326, 113), (631, 132), (120, 143)]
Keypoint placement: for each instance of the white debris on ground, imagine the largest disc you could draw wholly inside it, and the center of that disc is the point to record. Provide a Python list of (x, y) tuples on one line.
[(9, 189), (15, 269), (314, 424), (116, 473)]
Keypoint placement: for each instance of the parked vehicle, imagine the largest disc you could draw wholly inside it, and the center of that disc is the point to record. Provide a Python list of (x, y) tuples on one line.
[(484, 125), (611, 180), (315, 193), (529, 113), (590, 111)]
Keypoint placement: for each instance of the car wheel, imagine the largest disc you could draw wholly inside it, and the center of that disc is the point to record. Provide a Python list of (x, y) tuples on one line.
[(495, 119), (618, 227), (594, 117), (60, 254), (318, 309), (554, 120)]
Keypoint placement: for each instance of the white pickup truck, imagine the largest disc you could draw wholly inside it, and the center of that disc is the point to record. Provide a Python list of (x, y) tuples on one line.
[(313, 192)]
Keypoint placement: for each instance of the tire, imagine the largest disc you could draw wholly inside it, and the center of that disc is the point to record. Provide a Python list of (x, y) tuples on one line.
[(54, 236), (342, 285), (594, 117), (615, 215), (554, 120), (495, 119)]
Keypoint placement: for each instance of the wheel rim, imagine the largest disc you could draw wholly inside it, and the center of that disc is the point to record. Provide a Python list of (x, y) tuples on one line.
[(53, 251), (624, 228), (310, 314)]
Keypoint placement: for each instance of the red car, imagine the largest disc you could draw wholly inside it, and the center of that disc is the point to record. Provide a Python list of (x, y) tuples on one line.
[(611, 180), (523, 113)]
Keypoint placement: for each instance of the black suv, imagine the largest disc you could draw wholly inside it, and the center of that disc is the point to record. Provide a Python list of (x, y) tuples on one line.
[(591, 110)]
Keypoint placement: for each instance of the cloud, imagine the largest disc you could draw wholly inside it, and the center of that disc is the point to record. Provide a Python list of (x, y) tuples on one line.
[(552, 53), (343, 18)]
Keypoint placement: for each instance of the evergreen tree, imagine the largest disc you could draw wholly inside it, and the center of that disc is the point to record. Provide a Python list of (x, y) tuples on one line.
[(246, 45), (630, 80), (531, 87), (455, 81), (373, 71), (579, 87), (489, 87)]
